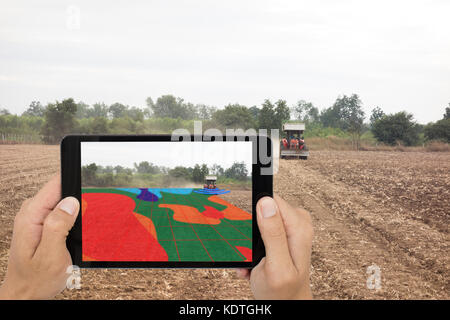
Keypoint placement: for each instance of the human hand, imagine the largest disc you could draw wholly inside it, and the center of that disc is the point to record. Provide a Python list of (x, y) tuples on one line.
[(38, 257), (287, 234)]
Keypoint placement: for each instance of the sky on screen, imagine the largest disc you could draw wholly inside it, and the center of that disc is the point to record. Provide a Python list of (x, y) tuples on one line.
[(167, 154)]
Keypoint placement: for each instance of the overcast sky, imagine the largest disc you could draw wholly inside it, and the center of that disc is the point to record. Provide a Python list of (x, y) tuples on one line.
[(394, 54), (167, 154)]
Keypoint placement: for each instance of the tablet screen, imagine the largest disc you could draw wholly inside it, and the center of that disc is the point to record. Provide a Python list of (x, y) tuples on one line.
[(166, 201)]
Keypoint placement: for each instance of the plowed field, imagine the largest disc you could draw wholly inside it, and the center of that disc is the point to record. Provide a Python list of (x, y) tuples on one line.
[(389, 209)]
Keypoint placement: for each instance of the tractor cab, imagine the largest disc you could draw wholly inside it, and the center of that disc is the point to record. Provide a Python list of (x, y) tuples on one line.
[(210, 182)]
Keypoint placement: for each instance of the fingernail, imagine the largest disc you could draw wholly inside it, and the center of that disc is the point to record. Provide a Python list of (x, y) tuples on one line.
[(69, 205), (268, 207)]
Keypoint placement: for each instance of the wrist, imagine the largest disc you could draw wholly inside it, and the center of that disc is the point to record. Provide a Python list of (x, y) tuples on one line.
[(4, 293), (8, 292), (304, 293)]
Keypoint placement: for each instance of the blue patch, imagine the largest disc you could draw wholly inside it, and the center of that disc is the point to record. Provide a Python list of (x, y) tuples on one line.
[(211, 191), (157, 191)]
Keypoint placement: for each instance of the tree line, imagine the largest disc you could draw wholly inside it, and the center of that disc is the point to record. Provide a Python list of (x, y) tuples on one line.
[(148, 174), (168, 113)]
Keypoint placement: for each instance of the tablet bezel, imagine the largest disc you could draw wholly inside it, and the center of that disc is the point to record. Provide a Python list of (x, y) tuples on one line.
[(71, 186)]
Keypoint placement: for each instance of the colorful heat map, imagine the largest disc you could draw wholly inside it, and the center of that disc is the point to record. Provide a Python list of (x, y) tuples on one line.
[(163, 224)]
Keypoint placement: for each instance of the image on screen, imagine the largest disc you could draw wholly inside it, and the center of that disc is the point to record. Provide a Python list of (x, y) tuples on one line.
[(166, 201)]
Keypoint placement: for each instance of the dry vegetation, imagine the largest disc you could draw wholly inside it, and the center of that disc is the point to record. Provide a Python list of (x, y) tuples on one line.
[(345, 144), (385, 208)]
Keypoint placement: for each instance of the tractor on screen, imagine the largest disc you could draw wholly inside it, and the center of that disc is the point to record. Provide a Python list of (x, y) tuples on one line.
[(210, 182)]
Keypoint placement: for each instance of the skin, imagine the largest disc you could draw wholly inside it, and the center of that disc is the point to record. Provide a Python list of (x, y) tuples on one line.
[(39, 259), (284, 272)]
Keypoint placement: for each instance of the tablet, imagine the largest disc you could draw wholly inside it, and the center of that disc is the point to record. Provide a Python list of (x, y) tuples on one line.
[(158, 201)]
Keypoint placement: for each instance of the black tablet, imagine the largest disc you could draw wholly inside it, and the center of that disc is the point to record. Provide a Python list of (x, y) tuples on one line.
[(163, 201)]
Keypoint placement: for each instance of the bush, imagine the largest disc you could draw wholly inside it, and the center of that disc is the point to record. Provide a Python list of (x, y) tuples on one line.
[(397, 128), (438, 131)]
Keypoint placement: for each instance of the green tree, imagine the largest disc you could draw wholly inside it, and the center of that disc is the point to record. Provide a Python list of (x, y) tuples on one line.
[(98, 109), (168, 106), (217, 170), (136, 114), (330, 117), (440, 130), (146, 167), (205, 171), (234, 116), (181, 173), (395, 128), (123, 126), (205, 112), (34, 110), (59, 120), (377, 114), (267, 115), (282, 114), (82, 110), (306, 112), (4, 112), (272, 116), (118, 110), (99, 126), (255, 113), (197, 175), (88, 174), (237, 171), (353, 118)]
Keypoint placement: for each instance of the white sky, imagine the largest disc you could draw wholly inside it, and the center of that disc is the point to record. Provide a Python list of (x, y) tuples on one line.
[(167, 154), (394, 54)]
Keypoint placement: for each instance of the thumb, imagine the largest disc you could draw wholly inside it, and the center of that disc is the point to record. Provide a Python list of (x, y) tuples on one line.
[(273, 232), (58, 224)]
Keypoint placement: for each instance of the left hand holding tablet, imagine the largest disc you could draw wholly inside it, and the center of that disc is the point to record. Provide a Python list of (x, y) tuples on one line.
[(38, 258)]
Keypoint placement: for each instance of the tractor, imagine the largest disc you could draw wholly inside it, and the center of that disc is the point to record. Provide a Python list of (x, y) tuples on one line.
[(210, 182), (292, 143)]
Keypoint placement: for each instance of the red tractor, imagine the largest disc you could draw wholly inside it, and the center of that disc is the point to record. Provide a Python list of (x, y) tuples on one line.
[(293, 144), (210, 182)]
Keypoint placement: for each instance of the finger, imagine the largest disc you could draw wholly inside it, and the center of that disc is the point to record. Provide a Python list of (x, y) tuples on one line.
[(58, 224), (298, 228), (28, 222), (273, 233), (45, 200)]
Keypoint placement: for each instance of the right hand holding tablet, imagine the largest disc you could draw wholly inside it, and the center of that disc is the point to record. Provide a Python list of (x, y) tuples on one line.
[(287, 234)]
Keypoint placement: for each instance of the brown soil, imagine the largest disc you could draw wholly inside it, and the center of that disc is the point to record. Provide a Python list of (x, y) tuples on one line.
[(385, 208)]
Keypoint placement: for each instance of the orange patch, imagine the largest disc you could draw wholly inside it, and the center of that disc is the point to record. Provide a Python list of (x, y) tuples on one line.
[(189, 214), (83, 206), (86, 258), (231, 212), (147, 223)]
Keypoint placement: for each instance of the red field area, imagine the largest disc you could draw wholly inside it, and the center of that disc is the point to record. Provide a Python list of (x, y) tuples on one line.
[(112, 233)]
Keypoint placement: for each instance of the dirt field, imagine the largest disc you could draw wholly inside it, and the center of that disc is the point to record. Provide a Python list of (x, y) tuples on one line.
[(391, 209)]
